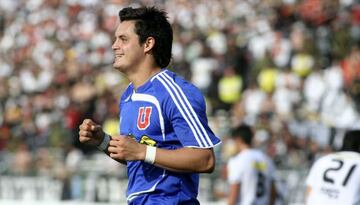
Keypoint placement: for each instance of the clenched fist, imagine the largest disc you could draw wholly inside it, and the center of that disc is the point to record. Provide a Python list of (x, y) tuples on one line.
[(90, 133), (125, 148)]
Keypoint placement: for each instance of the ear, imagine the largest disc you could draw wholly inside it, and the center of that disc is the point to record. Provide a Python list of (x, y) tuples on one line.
[(149, 44)]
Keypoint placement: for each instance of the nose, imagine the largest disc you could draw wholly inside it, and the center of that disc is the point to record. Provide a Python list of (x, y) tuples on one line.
[(115, 45)]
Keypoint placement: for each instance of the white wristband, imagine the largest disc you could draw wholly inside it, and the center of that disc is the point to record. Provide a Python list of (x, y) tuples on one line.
[(150, 154), (105, 142)]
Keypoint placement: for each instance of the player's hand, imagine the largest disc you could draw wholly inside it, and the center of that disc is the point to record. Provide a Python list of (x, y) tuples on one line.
[(126, 148), (90, 133)]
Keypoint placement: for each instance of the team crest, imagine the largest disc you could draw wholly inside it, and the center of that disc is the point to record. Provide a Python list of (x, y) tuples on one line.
[(143, 120)]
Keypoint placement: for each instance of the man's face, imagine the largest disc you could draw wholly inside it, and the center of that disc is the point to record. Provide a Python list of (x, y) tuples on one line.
[(128, 52)]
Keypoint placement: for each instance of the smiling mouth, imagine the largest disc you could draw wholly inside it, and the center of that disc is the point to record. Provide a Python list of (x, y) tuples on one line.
[(119, 55)]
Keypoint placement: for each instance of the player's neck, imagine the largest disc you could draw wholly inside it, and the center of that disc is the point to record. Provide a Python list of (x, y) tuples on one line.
[(243, 147), (143, 71)]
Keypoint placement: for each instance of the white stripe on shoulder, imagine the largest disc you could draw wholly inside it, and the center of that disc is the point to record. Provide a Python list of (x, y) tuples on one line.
[(181, 110), (157, 75), (183, 106), (198, 123)]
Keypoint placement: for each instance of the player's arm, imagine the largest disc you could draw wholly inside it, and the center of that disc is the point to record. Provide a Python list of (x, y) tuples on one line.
[(233, 193), (193, 156), (91, 133), (186, 160), (179, 160)]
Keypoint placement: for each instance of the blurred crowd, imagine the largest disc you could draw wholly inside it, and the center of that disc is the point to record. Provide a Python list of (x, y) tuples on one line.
[(289, 68)]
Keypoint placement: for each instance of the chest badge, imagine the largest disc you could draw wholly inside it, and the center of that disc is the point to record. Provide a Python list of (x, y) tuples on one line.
[(143, 120)]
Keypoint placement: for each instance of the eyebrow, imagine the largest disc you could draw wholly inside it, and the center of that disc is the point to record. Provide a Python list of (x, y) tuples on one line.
[(120, 36)]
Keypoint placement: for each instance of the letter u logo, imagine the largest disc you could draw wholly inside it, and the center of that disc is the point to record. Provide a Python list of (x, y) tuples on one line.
[(143, 120)]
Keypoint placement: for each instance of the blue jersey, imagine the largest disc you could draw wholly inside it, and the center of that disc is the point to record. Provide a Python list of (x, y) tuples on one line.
[(167, 112)]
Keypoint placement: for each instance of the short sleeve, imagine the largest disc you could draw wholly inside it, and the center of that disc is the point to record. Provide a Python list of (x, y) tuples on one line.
[(185, 109), (234, 173), (192, 129)]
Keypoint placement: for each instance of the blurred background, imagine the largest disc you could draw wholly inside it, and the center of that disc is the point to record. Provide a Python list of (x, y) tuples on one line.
[(289, 68)]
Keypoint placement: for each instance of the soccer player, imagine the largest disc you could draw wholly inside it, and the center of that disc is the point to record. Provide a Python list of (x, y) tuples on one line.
[(250, 172), (164, 140), (335, 178)]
